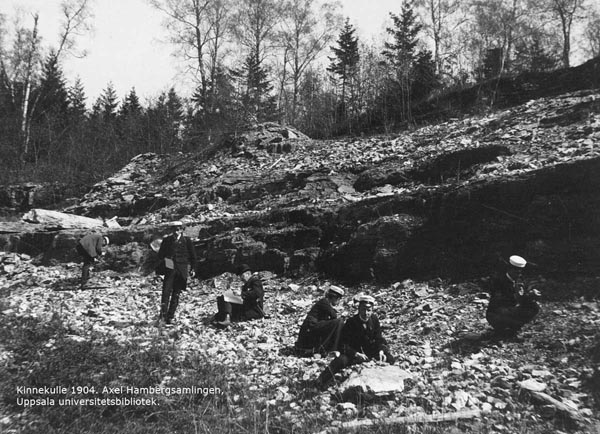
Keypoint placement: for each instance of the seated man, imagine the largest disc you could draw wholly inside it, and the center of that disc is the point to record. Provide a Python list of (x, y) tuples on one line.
[(511, 306), (361, 341), (251, 306), (320, 331)]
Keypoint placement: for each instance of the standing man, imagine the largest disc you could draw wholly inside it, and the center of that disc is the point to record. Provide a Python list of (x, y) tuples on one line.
[(320, 331), (178, 258), (511, 305), (251, 306), (361, 341), (89, 249)]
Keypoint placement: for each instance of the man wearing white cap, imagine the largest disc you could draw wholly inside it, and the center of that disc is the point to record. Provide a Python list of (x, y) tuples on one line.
[(511, 306), (361, 341), (320, 331)]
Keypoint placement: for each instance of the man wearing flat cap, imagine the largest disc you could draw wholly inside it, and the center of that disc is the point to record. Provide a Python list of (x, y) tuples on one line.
[(320, 331), (511, 305), (361, 341), (89, 249), (177, 257), (251, 306)]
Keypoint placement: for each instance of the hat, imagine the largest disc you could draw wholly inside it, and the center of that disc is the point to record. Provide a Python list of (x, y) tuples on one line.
[(106, 241), (366, 299), (336, 290), (243, 268), (517, 261)]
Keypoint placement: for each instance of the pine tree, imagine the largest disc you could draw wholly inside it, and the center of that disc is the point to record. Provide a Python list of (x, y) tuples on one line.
[(52, 95), (402, 51), (107, 103), (402, 54), (256, 101), (49, 116), (346, 58), (76, 98), (131, 104)]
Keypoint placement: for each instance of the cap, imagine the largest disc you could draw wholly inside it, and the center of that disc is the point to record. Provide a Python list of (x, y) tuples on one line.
[(366, 299), (517, 261), (336, 290), (106, 241), (243, 268)]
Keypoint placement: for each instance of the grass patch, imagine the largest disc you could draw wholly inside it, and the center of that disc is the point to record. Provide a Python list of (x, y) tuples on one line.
[(41, 354)]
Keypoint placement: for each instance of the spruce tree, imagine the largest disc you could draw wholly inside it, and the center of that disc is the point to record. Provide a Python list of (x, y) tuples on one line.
[(76, 97), (345, 59)]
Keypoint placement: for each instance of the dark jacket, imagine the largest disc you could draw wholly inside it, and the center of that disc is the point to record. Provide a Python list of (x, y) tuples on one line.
[(358, 338), (504, 292), (322, 310), (92, 244), (181, 251), (252, 296)]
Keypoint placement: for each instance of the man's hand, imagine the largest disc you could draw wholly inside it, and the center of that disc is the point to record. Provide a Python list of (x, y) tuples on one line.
[(382, 357), (362, 357)]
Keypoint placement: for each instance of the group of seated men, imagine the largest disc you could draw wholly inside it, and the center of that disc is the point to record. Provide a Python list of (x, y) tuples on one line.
[(359, 338)]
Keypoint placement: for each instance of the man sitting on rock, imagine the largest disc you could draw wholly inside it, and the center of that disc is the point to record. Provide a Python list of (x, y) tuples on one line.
[(89, 249), (320, 331), (361, 341), (511, 306), (251, 303)]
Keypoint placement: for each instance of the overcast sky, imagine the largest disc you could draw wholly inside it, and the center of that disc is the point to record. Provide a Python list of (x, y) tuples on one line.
[(126, 49)]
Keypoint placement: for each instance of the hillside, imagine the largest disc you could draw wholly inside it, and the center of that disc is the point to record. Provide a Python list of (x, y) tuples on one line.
[(418, 220)]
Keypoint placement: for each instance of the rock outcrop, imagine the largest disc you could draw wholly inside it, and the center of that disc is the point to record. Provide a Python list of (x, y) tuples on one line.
[(445, 200)]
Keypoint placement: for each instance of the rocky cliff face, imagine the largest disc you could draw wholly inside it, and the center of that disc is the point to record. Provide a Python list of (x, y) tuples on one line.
[(445, 200)]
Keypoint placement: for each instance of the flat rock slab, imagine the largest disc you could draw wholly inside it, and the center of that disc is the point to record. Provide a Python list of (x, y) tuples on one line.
[(61, 220), (376, 380)]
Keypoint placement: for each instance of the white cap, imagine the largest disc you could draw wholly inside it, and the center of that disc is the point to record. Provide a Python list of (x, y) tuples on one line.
[(336, 290), (517, 261), (366, 299)]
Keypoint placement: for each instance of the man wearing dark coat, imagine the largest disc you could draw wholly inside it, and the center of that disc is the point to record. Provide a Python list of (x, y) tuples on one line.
[(320, 331), (361, 341), (178, 258), (511, 305), (89, 249), (252, 295)]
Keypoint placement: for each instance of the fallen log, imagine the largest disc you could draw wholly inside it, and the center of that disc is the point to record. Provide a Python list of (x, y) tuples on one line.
[(404, 420)]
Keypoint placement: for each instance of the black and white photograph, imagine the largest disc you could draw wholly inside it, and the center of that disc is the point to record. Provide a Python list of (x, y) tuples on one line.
[(299, 216)]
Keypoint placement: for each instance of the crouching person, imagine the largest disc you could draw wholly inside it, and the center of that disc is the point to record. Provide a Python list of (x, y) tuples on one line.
[(248, 306), (511, 305), (89, 249), (320, 331), (361, 341)]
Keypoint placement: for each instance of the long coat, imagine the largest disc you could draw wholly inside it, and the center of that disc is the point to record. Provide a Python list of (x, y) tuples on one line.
[(181, 251)]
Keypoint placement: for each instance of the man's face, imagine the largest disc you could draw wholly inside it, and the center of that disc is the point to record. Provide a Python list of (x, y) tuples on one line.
[(365, 310), (246, 275), (516, 272), (335, 299), (178, 231)]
